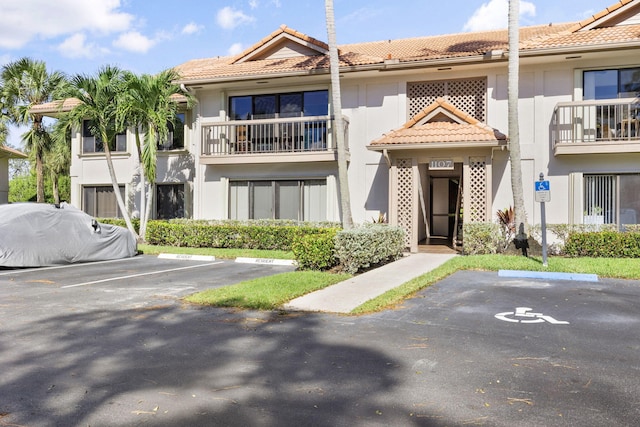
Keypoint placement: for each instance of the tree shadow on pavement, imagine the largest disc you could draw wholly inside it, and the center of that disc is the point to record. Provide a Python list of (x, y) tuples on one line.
[(169, 365)]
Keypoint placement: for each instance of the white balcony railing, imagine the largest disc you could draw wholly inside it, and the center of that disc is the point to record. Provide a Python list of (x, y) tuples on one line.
[(269, 136), (602, 121)]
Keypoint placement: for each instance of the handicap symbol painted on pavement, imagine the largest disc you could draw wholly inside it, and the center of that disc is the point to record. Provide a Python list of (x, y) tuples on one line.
[(524, 315)]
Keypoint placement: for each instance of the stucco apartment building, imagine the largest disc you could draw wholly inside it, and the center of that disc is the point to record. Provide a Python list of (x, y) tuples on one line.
[(426, 124), (7, 153)]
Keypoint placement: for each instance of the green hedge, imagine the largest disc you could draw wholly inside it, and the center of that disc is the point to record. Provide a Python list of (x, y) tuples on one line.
[(369, 245), (315, 251), (605, 244), (232, 234)]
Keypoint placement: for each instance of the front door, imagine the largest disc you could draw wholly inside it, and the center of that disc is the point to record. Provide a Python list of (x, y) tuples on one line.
[(444, 199)]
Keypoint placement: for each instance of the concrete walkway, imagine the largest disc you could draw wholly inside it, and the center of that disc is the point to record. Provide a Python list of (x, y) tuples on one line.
[(345, 296)]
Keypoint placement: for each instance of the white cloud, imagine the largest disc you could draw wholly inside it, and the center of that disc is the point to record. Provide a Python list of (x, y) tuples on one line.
[(133, 41), (495, 15), (25, 20), (192, 28), (76, 46), (253, 4), (235, 49), (229, 18)]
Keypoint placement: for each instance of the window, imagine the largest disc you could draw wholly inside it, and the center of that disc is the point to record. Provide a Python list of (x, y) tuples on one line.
[(169, 201), (303, 200), (612, 199), (93, 144), (175, 140), (611, 84), (294, 104), (100, 201)]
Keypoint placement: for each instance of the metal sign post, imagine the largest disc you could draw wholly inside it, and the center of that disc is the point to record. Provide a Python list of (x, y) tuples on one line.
[(543, 194)]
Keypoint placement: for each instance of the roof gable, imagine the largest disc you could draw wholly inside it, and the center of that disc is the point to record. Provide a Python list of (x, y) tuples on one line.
[(441, 123), (283, 43), (624, 12)]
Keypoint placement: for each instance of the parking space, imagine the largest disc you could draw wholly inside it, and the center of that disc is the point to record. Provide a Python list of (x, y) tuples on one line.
[(106, 344), (141, 280)]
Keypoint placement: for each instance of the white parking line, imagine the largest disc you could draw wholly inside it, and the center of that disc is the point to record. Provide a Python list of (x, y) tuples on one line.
[(55, 267), (140, 275)]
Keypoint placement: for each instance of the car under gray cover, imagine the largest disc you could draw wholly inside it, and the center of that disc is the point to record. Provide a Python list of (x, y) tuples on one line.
[(37, 235)]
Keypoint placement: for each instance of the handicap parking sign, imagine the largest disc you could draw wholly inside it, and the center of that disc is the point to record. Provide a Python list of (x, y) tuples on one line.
[(543, 193)]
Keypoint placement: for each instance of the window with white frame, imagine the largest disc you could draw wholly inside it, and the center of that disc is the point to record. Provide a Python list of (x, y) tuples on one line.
[(93, 144), (303, 200), (612, 199), (175, 140), (100, 201), (169, 201)]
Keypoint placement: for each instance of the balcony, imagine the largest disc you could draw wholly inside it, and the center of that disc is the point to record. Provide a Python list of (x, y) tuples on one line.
[(596, 127), (293, 139)]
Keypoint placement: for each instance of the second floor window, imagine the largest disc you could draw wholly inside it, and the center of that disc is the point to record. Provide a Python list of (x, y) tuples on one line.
[(611, 84), (294, 104), (175, 140), (93, 144)]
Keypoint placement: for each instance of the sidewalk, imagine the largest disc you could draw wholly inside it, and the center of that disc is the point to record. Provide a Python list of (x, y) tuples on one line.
[(345, 296)]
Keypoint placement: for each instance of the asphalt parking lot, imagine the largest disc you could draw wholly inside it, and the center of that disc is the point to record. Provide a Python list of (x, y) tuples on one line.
[(111, 345)]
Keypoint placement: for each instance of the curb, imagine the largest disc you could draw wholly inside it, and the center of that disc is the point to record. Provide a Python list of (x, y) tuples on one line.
[(271, 261), (188, 257), (548, 275)]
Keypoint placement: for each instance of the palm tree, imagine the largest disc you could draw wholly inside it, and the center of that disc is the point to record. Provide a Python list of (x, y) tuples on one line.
[(334, 61), (58, 158), (26, 83), (98, 104), (148, 105), (514, 131)]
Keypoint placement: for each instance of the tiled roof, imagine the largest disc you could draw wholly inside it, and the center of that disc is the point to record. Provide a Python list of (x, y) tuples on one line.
[(467, 130), (55, 107), (442, 47)]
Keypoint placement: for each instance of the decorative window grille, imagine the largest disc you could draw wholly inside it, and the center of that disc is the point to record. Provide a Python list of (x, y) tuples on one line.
[(477, 189), (469, 95), (599, 199), (405, 198)]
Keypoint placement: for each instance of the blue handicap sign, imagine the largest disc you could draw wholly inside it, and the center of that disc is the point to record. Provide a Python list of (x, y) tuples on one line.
[(542, 185)]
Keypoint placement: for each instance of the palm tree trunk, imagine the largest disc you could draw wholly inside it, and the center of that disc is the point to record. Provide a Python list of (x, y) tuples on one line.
[(514, 131), (343, 177), (39, 176), (116, 188)]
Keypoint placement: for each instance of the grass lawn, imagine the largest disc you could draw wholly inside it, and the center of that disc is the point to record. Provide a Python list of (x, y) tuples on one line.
[(267, 293)]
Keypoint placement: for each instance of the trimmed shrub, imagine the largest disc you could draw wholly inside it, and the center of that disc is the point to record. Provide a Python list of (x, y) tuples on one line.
[(315, 251), (230, 234), (369, 245), (605, 244), (481, 238)]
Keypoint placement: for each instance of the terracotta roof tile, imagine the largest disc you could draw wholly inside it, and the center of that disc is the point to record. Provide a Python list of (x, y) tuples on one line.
[(440, 132), (449, 46), (55, 106), (469, 130)]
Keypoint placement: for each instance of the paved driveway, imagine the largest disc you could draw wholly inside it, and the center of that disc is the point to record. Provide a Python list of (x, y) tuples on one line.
[(127, 352)]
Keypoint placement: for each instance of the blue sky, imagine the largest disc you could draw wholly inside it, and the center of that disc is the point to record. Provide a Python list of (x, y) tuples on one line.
[(147, 36)]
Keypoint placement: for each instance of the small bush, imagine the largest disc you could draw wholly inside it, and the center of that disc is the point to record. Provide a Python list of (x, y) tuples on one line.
[(482, 238), (315, 251), (369, 245), (605, 244)]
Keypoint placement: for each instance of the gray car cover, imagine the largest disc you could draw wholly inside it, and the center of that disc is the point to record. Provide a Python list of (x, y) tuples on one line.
[(35, 235)]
